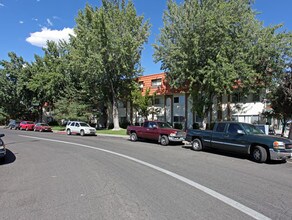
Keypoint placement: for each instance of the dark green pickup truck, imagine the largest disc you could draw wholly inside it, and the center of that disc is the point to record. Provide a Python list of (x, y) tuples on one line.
[(242, 138)]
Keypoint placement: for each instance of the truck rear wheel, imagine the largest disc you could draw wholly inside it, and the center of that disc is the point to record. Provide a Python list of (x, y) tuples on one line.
[(164, 140), (133, 136), (259, 154), (197, 145)]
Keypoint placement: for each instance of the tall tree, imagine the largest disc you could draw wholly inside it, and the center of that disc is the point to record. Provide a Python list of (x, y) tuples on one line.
[(211, 46), (281, 99), (106, 50), (15, 97), (48, 74)]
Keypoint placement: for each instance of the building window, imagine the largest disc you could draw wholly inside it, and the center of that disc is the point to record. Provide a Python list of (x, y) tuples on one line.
[(178, 119), (160, 118), (122, 104), (155, 83), (237, 97), (176, 100), (141, 85), (157, 101), (256, 97)]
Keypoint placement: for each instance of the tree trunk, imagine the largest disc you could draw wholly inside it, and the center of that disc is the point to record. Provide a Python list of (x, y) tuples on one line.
[(219, 108), (290, 132), (228, 109), (115, 115), (283, 127)]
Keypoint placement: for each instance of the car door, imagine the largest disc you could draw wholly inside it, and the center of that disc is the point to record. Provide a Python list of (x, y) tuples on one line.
[(152, 131), (72, 126), (218, 139), (23, 125), (76, 128), (234, 138)]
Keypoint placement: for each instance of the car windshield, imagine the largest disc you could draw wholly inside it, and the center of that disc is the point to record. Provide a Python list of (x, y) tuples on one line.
[(30, 122), (164, 125), (43, 124), (251, 129), (82, 124)]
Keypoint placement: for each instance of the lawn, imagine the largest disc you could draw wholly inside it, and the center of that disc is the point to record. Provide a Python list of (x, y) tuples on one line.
[(119, 132), (58, 128), (104, 131)]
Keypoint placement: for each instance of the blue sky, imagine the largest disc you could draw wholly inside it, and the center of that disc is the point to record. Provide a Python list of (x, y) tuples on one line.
[(26, 24)]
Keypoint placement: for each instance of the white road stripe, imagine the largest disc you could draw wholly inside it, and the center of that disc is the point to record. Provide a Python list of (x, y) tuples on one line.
[(254, 214)]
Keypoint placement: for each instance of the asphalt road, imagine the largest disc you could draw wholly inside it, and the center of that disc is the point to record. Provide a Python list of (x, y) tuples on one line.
[(54, 176)]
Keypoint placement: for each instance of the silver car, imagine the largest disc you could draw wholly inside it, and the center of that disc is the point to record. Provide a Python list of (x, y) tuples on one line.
[(79, 127)]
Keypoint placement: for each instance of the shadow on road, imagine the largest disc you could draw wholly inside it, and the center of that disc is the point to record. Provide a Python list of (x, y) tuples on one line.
[(156, 142), (9, 158), (235, 155)]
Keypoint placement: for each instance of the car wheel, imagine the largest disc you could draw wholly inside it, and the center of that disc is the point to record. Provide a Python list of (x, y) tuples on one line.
[(26, 129), (197, 145), (82, 133), (259, 154), (41, 130), (164, 140), (133, 136), (68, 132)]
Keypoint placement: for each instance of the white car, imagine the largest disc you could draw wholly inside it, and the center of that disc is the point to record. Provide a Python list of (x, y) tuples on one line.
[(79, 127)]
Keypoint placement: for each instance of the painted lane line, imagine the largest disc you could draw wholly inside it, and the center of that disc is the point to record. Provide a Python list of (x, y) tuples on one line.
[(252, 213)]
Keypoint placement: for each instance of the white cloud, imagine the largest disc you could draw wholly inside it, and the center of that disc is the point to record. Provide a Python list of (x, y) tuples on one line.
[(2, 5), (40, 39), (21, 22), (49, 22)]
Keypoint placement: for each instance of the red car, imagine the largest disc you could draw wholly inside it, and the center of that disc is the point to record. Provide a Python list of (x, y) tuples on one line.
[(26, 125), (42, 127)]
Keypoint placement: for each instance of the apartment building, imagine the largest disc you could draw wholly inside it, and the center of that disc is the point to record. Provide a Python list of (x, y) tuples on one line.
[(175, 105)]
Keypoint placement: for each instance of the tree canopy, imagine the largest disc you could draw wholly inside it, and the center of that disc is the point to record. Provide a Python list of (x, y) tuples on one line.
[(212, 45), (106, 50)]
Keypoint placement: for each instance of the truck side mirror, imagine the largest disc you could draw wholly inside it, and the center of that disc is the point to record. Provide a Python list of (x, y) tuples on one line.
[(240, 132)]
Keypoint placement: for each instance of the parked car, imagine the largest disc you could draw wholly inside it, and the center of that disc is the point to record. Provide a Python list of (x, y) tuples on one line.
[(156, 130), (79, 127), (13, 124), (26, 125), (241, 138), (2, 148), (42, 127)]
